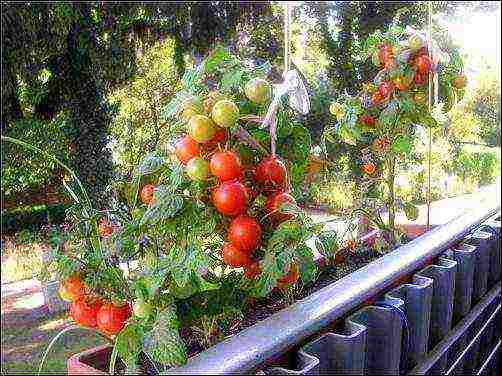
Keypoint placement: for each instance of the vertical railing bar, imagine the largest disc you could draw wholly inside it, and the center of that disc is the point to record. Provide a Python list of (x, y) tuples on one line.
[(476, 338), (456, 332), (490, 357)]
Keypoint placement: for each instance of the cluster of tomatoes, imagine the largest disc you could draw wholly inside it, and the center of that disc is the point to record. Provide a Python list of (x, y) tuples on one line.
[(91, 312), (203, 153), (416, 56)]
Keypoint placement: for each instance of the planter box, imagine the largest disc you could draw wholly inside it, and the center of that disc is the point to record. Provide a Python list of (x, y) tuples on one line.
[(52, 299), (90, 362), (319, 310), (95, 361)]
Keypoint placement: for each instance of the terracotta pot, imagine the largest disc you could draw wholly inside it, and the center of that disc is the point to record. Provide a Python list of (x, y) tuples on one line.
[(94, 361), (413, 230)]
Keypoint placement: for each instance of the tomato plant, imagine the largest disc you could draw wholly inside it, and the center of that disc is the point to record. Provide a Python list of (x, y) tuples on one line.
[(210, 213), (396, 99)]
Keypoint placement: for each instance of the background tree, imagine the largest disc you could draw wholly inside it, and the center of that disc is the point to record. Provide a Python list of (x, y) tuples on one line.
[(89, 48)]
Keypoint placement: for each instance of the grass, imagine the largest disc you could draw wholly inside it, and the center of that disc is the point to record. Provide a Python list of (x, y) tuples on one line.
[(23, 345)]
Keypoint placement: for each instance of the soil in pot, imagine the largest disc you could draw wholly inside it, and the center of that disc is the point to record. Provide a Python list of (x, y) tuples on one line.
[(264, 308)]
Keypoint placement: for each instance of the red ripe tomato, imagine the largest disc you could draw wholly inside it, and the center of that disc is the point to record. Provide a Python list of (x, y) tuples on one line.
[(400, 83), (186, 149), (274, 203), (368, 120), (369, 168), (85, 313), (386, 89), (291, 277), (225, 165), (104, 228), (244, 233), (271, 172), (390, 63), (111, 319), (233, 257), (74, 287), (419, 79), (423, 64), (460, 81), (147, 194), (220, 137), (252, 270), (230, 198), (423, 51), (377, 98)]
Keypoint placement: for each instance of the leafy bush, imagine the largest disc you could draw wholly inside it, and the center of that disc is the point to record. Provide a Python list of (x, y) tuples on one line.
[(22, 171), (476, 166)]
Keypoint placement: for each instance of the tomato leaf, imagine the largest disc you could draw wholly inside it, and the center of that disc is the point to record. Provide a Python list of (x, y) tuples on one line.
[(402, 144), (163, 343), (274, 266), (263, 70), (231, 79), (150, 164), (175, 105), (166, 205), (307, 264), (128, 343)]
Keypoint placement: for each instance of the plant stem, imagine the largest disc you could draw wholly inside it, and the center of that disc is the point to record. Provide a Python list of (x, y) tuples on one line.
[(391, 200)]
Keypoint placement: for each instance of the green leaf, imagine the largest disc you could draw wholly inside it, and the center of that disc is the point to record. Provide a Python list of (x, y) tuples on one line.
[(428, 120), (218, 56), (406, 104), (128, 343), (411, 211), (176, 178), (402, 144), (163, 343), (166, 205), (231, 79), (150, 164), (327, 244), (273, 267), (306, 262), (175, 105), (263, 70), (155, 281)]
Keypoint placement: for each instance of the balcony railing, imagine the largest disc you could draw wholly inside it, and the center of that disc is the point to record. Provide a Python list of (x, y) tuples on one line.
[(444, 321)]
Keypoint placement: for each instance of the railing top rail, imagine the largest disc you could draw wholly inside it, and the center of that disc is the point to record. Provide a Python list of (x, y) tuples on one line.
[(247, 350)]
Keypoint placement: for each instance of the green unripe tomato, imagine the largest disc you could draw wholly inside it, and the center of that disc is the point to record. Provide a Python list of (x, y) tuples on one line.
[(415, 42), (225, 113), (141, 308), (201, 128), (258, 90), (198, 169)]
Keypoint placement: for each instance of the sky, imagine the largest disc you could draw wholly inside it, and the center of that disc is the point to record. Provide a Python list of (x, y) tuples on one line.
[(478, 34)]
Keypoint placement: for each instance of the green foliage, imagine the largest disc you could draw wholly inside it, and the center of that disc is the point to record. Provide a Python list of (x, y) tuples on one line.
[(22, 171), (484, 102)]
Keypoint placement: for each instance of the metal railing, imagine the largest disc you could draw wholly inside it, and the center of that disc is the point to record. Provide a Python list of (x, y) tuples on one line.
[(372, 341)]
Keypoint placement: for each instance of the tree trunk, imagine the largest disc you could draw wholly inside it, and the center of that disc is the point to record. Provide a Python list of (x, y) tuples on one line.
[(92, 159)]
